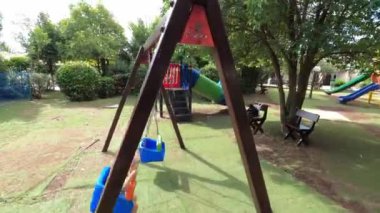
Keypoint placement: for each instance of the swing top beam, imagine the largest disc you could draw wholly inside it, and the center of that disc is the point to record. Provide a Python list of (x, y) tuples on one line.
[(155, 36)]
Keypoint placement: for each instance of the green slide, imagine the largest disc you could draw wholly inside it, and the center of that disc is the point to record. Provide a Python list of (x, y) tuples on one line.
[(349, 84), (206, 87)]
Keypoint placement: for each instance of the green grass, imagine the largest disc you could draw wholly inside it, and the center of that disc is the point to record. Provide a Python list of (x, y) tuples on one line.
[(348, 151), (42, 139)]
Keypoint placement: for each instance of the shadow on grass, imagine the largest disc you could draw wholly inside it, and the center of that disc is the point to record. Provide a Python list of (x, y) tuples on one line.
[(20, 110), (29, 110), (215, 120), (172, 179), (346, 152), (58, 99)]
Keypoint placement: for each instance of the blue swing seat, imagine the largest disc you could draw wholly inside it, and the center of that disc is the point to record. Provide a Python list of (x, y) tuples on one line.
[(122, 204), (149, 152)]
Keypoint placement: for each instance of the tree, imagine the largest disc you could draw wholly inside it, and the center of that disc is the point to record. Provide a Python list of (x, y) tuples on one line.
[(2, 44), (43, 43), (140, 33), (2, 48), (91, 33), (300, 33), (327, 67)]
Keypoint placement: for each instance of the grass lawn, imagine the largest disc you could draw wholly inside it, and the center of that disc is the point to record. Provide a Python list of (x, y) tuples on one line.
[(346, 153), (47, 162)]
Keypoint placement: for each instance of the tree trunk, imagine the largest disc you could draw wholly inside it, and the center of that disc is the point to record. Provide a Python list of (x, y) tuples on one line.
[(98, 65), (303, 81), (103, 66), (280, 86), (298, 82), (291, 105), (50, 66)]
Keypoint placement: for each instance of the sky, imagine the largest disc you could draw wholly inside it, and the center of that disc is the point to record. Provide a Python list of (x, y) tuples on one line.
[(14, 13)]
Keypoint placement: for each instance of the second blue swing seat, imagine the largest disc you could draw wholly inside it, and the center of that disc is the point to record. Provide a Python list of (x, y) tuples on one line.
[(149, 152), (122, 204)]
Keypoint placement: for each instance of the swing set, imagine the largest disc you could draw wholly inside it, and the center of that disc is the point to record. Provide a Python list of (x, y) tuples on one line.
[(194, 22)]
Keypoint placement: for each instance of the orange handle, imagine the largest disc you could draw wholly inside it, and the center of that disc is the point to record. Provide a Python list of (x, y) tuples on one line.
[(130, 190)]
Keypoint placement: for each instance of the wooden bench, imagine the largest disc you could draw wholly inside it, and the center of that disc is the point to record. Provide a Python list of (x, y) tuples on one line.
[(304, 126), (256, 122)]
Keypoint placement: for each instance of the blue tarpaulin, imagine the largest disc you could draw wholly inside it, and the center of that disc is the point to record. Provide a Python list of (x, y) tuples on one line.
[(15, 85)]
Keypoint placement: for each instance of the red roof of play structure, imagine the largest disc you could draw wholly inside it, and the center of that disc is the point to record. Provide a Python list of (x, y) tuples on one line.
[(197, 29)]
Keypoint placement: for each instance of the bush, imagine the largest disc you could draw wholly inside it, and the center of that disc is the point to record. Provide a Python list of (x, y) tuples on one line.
[(339, 82), (39, 67), (106, 87), (119, 66), (3, 65), (210, 72), (250, 78), (19, 63), (78, 80), (120, 80), (39, 83), (141, 74)]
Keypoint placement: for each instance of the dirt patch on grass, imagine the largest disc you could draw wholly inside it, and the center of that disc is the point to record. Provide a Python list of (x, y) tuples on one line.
[(345, 111), (27, 167), (356, 117), (210, 112), (23, 168), (58, 182), (374, 130), (304, 164)]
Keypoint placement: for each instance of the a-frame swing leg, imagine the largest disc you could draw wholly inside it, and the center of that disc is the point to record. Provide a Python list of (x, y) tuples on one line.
[(127, 89), (148, 95), (173, 119), (234, 98), (161, 105)]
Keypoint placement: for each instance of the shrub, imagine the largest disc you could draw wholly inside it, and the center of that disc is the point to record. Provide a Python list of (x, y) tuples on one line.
[(141, 74), (39, 83), (120, 80), (78, 80), (3, 65), (119, 66), (339, 82), (210, 72), (19, 63), (250, 78), (106, 87), (39, 67)]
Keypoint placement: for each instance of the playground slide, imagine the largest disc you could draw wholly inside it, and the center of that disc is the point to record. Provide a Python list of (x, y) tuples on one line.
[(358, 93), (349, 84), (206, 87)]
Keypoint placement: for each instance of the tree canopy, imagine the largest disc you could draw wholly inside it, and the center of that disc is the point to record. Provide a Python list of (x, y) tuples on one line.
[(43, 43), (2, 47), (140, 33), (300, 33), (92, 33)]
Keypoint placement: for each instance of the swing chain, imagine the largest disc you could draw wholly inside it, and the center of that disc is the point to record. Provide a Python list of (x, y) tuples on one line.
[(153, 114), (155, 117)]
